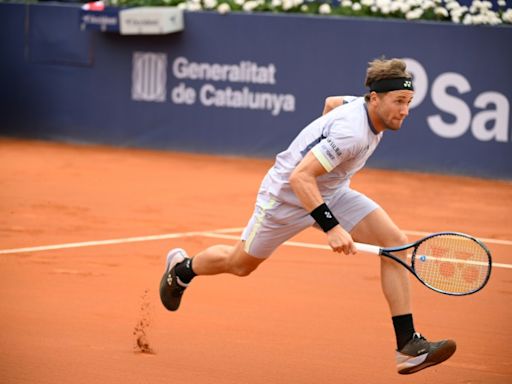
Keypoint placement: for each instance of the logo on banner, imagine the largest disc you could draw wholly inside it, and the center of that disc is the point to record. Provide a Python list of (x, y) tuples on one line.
[(489, 123), (214, 85), (149, 76)]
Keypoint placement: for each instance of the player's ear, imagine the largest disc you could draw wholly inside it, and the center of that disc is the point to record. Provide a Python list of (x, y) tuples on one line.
[(373, 97)]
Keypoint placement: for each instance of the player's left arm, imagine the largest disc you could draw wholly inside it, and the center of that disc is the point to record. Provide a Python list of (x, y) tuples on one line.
[(332, 102)]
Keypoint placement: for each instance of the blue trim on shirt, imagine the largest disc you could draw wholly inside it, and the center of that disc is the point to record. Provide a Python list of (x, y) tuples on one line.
[(312, 144), (370, 120)]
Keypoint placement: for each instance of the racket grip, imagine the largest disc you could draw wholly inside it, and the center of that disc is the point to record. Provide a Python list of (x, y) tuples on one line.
[(368, 248)]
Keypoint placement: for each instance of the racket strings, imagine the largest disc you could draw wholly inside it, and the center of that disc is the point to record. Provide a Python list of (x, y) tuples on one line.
[(452, 263)]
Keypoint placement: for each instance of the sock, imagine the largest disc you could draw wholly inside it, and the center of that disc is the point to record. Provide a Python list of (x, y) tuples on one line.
[(184, 271), (404, 329)]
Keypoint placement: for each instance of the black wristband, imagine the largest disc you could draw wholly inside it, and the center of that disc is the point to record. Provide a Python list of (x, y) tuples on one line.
[(324, 217)]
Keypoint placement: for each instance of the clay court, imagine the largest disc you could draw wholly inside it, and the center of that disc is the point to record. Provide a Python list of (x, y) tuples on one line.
[(83, 306)]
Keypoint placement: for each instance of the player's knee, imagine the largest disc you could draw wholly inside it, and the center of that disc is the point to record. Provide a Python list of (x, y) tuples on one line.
[(242, 270), (399, 238), (243, 266), (394, 239)]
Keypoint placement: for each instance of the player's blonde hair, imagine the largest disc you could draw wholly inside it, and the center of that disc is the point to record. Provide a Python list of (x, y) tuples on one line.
[(382, 68)]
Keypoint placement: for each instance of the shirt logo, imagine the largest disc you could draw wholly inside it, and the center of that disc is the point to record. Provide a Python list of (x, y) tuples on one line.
[(334, 146)]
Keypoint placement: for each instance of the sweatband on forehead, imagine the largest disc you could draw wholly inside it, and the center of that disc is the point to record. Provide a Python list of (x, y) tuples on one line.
[(388, 85)]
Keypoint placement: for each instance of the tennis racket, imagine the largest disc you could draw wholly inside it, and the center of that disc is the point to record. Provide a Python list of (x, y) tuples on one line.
[(447, 262)]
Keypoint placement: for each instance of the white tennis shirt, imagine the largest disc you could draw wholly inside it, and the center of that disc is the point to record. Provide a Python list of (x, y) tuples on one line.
[(342, 140)]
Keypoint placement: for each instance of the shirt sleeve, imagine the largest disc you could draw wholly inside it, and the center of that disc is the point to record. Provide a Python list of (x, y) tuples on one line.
[(339, 146)]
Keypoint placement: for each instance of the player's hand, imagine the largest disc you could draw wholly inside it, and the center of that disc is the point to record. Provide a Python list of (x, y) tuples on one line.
[(340, 241)]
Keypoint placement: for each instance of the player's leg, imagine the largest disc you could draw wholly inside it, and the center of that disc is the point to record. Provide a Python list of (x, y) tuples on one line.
[(181, 269), (378, 228), (225, 259), (271, 224), (368, 223)]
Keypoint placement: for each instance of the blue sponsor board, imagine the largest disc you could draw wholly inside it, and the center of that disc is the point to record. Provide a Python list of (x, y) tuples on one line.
[(246, 84)]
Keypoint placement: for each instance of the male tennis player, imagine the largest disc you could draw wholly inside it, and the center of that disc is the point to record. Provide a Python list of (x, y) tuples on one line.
[(309, 184)]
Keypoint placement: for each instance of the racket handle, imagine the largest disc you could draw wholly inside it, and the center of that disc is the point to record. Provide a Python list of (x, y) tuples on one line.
[(368, 248)]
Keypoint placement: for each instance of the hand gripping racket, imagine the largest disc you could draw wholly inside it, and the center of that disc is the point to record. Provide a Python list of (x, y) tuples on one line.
[(447, 262)]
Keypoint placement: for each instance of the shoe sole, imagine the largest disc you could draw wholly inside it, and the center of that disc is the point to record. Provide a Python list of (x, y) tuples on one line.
[(173, 258), (437, 357)]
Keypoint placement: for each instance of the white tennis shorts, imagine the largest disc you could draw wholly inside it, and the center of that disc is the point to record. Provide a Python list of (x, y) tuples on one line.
[(274, 222)]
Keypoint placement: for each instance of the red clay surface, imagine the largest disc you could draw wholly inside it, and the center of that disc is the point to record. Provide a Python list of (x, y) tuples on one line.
[(83, 314)]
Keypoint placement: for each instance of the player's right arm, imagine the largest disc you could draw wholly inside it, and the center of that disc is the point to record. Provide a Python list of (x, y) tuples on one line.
[(304, 185)]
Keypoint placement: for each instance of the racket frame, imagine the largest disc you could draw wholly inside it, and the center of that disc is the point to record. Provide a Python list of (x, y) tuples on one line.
[(388, 252)]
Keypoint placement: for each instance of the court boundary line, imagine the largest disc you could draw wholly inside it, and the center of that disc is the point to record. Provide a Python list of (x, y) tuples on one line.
[(217, 233), (135, 239)]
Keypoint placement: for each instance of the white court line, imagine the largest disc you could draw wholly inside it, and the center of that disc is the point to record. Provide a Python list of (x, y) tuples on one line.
[(112, 241), (218, 234)]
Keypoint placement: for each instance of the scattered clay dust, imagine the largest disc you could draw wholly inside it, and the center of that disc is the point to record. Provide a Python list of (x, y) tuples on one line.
[(141, 344)]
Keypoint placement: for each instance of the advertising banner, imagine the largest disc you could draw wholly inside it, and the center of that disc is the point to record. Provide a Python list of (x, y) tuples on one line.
[(246, 84)]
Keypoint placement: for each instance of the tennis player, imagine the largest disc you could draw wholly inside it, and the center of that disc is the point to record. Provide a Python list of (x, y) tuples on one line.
[(309, 184)]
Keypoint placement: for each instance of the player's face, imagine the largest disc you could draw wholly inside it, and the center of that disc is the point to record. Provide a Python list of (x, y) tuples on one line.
[(393, 107)]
